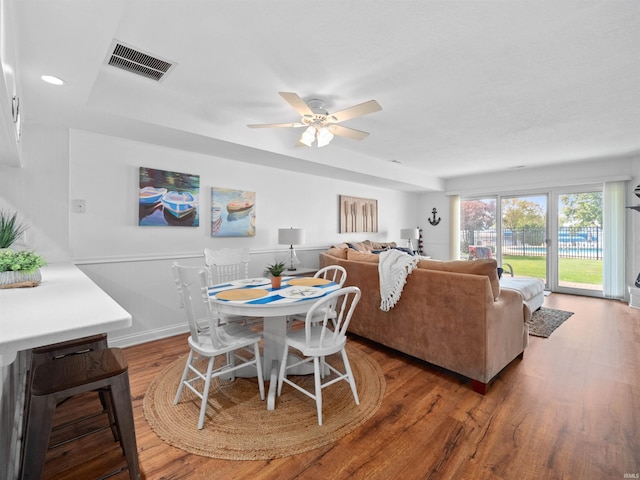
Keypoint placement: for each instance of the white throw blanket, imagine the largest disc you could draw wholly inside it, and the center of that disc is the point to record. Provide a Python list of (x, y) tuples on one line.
[(393, 269)]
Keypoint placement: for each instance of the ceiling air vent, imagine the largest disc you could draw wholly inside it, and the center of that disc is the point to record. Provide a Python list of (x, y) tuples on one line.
[(134, 61)]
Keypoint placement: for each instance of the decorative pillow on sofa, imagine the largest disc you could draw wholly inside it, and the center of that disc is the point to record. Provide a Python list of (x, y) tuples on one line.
[(382, 245), (361, 246), (488, 267), (338, 252), (362, 256)]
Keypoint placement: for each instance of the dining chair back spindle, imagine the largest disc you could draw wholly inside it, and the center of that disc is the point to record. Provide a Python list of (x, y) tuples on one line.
[(218, 340), (322, 337), (227, 264), (334, 273)]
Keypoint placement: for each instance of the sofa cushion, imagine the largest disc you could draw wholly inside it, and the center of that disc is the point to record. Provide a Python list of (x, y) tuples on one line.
[(338, 252), (362, 256), (361, 246), (488, 267), (382, 245)]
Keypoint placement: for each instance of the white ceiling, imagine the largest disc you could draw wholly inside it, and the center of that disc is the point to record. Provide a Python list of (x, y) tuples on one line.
[(465, 86)]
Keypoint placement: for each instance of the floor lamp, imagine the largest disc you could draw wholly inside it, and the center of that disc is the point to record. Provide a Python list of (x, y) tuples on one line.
[(291, 237)]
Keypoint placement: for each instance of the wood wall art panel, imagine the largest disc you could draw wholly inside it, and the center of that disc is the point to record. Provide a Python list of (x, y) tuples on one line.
[(358, 214)]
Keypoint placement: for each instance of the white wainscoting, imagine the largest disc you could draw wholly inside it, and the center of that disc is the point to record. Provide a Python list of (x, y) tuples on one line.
[(145, 288)]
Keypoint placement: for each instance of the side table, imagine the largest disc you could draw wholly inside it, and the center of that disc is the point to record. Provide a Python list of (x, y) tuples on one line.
[(300, 272)]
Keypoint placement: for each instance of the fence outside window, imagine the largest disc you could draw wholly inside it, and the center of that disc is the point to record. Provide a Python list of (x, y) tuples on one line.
[(572, 242)]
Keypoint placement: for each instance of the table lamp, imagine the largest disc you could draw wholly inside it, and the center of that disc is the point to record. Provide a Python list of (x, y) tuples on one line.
[(291, 237), (410, 234)]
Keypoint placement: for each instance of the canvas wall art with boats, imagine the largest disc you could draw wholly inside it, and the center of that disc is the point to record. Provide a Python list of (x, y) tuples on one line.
[(168, 198), (233, 213)]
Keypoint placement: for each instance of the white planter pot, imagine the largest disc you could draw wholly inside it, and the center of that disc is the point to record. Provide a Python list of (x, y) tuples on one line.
[(19, 279)]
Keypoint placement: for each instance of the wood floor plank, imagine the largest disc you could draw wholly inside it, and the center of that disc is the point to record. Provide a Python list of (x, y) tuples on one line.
[(568, 409)]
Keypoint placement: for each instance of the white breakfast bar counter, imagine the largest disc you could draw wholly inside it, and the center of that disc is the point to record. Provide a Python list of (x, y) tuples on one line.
[(66, 305)]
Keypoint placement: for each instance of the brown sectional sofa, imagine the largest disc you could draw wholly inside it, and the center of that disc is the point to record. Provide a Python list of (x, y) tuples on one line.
[(451, 314)]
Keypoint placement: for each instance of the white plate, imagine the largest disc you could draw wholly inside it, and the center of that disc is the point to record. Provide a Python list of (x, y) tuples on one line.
[(250, 282), (301, 292)]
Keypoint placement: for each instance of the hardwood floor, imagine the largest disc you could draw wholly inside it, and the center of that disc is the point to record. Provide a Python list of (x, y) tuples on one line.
[(570, 409)]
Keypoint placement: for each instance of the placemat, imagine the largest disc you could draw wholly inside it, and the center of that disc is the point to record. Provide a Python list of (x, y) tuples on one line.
[(308, 281), (242, 294)]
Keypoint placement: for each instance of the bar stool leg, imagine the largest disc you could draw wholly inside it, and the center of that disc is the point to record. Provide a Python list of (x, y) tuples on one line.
[(41, 411), (121, 397)]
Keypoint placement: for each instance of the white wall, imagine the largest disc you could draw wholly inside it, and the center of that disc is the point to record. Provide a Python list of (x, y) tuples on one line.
[(104, 172), (39, 191)]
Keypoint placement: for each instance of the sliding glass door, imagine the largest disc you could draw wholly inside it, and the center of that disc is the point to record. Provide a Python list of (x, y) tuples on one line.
[(580, 241), (556, 236), (524, 234)]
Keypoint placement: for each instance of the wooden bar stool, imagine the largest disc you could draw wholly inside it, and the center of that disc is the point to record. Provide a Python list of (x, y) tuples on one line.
[(47, 353), (72, 375)]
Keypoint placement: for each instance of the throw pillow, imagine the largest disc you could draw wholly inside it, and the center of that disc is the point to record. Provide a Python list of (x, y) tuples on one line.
[(338, 252), (382, 245), (362, 256), (360, 246)]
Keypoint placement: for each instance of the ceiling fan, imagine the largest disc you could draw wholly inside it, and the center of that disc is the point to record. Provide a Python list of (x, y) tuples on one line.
[(322, 125)]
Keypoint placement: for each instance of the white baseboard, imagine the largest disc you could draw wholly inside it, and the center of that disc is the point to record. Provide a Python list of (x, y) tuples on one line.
[(147, 336)]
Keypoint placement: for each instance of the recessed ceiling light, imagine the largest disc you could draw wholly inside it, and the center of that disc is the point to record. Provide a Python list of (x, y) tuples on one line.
[(52, 80)]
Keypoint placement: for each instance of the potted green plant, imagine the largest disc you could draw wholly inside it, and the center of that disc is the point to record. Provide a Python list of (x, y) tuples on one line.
[(18, 268), (10, 228), (276, 270)]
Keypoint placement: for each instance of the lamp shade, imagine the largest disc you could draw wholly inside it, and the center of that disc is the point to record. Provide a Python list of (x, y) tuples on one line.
[(291, 236), (409, 234)]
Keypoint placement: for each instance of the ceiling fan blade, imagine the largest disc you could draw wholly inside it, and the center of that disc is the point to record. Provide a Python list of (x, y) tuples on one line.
[(297, 103), (277, 125), (356, 111), (347, 132)]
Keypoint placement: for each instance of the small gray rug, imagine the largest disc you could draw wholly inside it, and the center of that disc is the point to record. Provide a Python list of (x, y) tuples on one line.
[(545, 320)]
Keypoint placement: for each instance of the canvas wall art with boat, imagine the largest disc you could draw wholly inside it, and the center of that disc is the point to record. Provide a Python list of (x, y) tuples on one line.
[(233, 213), (168, 198)]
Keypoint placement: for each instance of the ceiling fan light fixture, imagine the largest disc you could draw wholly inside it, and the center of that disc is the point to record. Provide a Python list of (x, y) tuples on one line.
[(308, 136), (321, 125), (324, 137)]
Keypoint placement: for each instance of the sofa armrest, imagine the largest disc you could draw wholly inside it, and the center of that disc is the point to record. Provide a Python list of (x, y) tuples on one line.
[(505, 331)]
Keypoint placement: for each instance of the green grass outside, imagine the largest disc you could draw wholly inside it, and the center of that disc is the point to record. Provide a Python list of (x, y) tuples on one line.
[(574, 270)]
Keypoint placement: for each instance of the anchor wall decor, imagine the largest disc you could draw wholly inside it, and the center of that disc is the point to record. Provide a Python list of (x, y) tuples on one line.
[(433, 220)]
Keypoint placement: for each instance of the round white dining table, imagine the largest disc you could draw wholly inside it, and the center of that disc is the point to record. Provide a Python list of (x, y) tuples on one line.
[(274, 309)]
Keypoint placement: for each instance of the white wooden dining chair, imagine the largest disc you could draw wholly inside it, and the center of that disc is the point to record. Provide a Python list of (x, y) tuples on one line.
[(228, 265), (319, 340), (334, 273), (219, 340)]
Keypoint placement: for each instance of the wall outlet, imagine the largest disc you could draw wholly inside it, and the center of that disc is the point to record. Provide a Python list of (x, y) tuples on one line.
[(78, 206)]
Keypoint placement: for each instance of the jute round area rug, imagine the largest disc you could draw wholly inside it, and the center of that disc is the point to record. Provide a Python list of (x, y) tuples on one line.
[(238, 425)]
